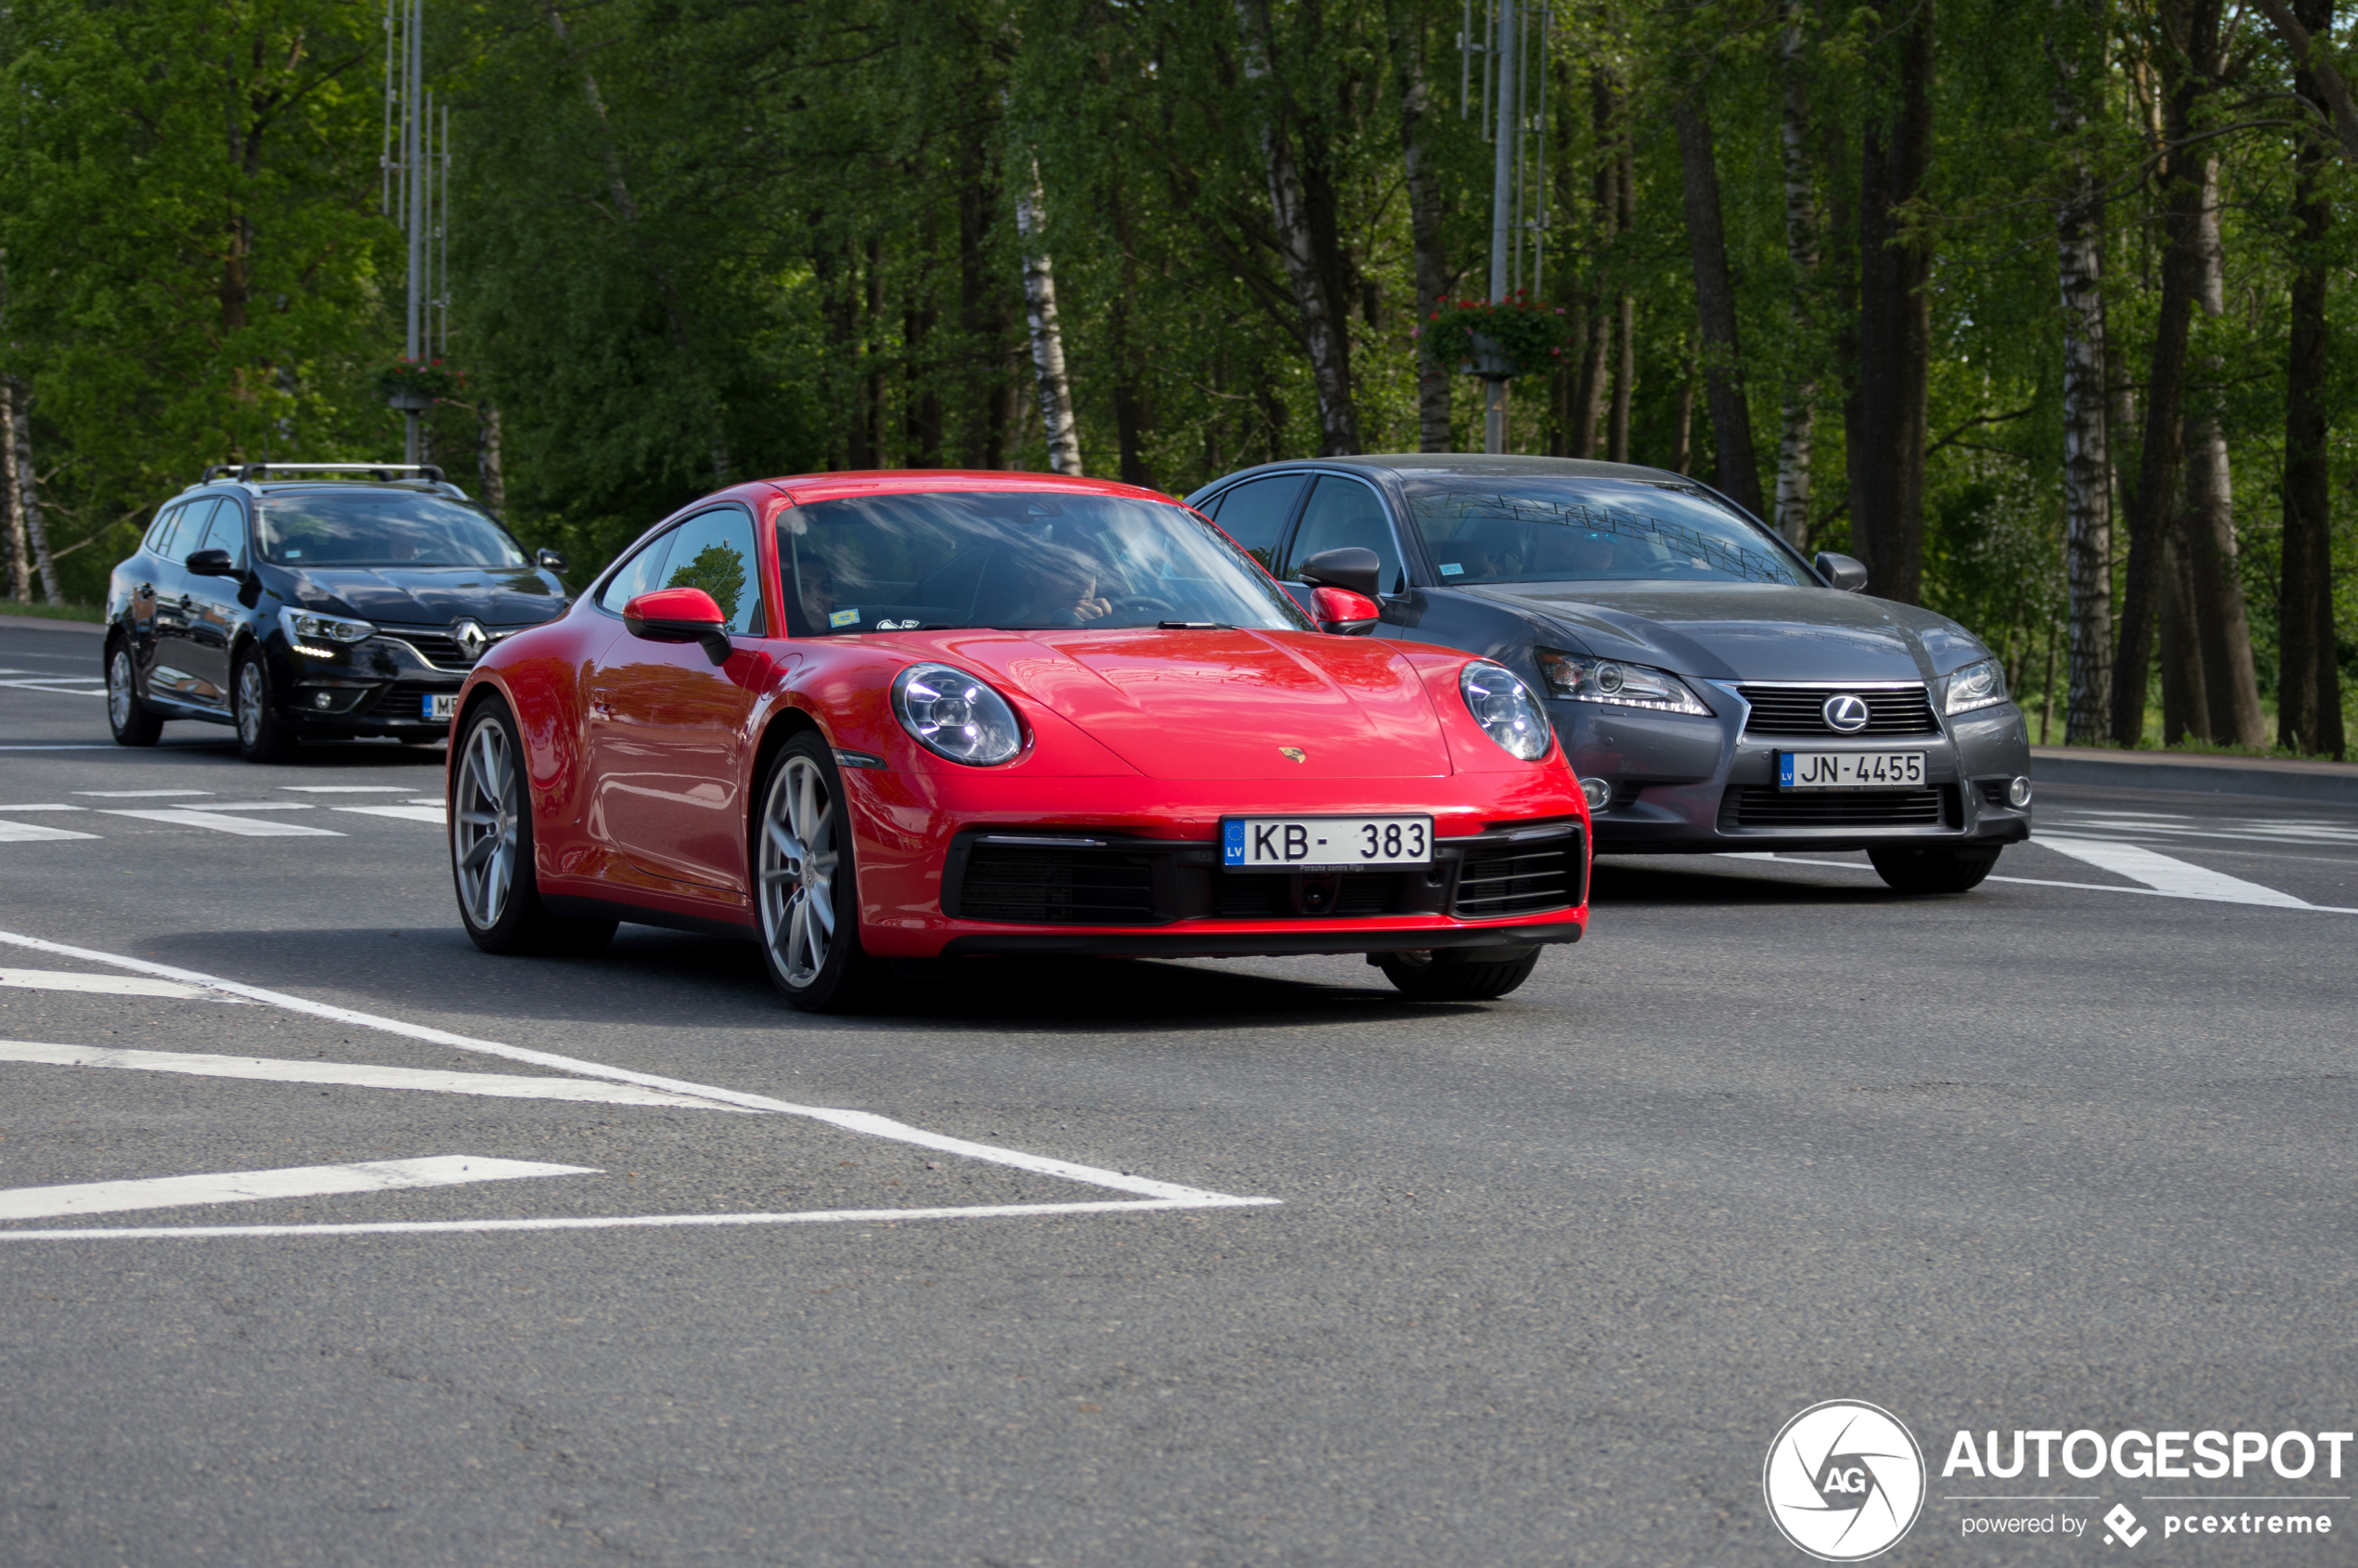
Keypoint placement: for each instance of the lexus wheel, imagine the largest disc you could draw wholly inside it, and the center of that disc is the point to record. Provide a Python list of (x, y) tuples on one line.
[(1932, 871), (263, 736), (805, 884), (133, 722), (491, 850)]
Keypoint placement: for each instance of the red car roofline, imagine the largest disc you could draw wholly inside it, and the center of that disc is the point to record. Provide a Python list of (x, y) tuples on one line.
[(801, 487)]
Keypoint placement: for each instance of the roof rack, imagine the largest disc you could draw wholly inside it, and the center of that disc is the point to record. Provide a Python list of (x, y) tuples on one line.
[(258, 472)]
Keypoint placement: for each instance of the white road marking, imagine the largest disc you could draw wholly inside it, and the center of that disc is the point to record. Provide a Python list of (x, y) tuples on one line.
[(408, 813), (57, 686), (257, 806), (187, 817), (350, 1075), (138, 794), (34, 833), (104, 985), (9, 809), (2049, 882), (2165, 874), (247, 1186), (866, 1122), (78, 746), (349, 789)]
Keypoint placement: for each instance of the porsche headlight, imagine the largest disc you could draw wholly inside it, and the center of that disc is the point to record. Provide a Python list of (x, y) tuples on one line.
[(306, 630), (1587, 679), (1506, 710), (954, 715), (1977, 685)]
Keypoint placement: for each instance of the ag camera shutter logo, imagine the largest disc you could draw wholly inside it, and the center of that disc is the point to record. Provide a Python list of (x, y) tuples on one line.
[(1843, 1480)]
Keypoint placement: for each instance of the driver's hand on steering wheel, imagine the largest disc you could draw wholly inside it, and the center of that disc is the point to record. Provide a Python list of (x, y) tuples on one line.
[(1090, 609)]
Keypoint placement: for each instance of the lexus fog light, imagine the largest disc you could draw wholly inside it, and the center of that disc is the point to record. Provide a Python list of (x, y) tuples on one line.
[(2018, 794), (1596, 792)]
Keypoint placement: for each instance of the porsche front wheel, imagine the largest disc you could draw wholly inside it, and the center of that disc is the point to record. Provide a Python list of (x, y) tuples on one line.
[(1444, 977), (491, 850), (804, 885)]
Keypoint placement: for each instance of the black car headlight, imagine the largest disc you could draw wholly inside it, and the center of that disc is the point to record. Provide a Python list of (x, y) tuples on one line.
[(1506, 710), (307, 630), (1977, 685), (1587, 679), (954, 715)]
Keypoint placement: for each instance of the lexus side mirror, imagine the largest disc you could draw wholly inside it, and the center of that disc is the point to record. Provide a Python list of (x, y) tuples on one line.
[(1847, 573), (1346, 614), (551, 560), (679, 615), (211, 564), (1352, 566)]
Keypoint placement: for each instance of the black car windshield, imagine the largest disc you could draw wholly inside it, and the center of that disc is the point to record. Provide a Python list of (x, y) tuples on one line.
[(384, 527), (1023, 560), (1533, 529)]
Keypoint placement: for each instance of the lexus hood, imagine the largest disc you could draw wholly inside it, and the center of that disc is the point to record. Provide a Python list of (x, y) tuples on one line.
[(1748, 631), (1220, 704), (498, 596)]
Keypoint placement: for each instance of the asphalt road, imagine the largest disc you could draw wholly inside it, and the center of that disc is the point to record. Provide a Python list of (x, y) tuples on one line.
[(1542, 1279)]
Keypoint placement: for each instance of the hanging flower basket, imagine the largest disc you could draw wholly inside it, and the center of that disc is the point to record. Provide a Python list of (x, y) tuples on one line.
[(1515, 336), (413, 385)]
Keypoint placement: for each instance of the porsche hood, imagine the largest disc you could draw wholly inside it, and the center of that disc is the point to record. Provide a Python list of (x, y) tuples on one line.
[(1225, 704)]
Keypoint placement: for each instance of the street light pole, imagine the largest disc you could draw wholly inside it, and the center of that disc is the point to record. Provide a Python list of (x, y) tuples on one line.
[(1507, 139)]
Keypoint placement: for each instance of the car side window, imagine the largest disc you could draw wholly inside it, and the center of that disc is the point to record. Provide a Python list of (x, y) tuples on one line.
[(228, 532), (160, 537), (642, 573), (713, 550), (1344, 512), (1254, 513), (188, 537)]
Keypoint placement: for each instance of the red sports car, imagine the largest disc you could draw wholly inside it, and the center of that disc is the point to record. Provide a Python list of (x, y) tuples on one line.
[(865, 717)]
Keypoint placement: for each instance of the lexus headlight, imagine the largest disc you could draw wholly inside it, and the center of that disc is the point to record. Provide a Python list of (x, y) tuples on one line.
[(1587, 679), (1506, 710), (954, 715), (306, 626), (1977, 685)]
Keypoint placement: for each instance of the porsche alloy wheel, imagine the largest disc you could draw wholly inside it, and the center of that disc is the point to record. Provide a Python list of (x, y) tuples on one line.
[(804, 869), (491, 850)]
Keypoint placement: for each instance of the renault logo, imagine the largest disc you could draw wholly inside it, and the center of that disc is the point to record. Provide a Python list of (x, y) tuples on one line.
[(1847, 714), (473, 640)]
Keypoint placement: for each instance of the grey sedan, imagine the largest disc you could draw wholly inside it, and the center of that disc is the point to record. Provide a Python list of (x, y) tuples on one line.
[(1716, 691)]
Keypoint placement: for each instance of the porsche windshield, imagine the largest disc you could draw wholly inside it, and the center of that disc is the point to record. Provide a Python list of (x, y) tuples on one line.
[(1015, 559), (1535, 529), (387, 527)]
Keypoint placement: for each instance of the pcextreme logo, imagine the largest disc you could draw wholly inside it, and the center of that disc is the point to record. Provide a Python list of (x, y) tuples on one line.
[(1843, 1480)]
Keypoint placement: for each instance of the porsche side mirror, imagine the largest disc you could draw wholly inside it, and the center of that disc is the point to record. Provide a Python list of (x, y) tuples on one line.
[(1346, 614), (211, 564), (1847, 573), (1352, 566), (551, 560), (679, 615)]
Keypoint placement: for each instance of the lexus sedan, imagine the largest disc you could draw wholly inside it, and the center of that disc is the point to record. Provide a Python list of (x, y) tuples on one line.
[(1716, 691), (325, 600), (856, 717)]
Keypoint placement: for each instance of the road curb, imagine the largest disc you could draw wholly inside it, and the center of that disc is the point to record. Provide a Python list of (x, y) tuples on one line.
[(39, 623), (2335, 782)]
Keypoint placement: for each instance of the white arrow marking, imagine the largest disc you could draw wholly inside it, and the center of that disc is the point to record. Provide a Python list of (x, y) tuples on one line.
[(247, 1186)]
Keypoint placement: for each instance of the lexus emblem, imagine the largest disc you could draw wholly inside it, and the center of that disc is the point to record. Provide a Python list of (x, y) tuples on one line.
[(473, 640), (1847, 714)]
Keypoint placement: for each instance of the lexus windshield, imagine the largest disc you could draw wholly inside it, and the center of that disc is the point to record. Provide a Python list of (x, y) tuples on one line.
[(1532, 529), (1018, 560), (352, 527)]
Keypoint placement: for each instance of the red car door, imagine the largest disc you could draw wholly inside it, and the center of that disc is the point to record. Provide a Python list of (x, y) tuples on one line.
[(669, 729)]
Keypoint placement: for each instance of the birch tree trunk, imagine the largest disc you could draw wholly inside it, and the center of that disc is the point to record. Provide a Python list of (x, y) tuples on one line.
[(2080, 256), (1424, 233), (28, 489), (12, 502), (490, 461), (2308, 679), (1739, 469), (1047, 337), (1324, 332), (1796, 432)]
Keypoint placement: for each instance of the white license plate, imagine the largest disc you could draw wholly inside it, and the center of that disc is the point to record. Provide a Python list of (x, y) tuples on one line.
[(442, 705), (1850, 769), (1318, 843)]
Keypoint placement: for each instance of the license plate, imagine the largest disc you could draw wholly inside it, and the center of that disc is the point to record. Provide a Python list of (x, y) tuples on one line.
[(1321, 842), (442, 705), (1850, 769)]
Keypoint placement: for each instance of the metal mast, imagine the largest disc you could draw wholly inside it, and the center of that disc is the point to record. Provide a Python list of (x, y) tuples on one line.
[(415, 174), (1516, 48)]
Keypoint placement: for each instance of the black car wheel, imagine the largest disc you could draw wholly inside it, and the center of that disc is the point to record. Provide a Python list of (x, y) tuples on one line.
[(263, 736), (133, 722), (804, 883), (1444, 976), (491, 850), (1932, 871)]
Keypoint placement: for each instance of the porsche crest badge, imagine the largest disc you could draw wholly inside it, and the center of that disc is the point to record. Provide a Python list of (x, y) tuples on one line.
[(1293, 754)]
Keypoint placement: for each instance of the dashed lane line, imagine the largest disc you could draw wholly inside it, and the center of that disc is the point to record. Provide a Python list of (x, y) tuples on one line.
[(248, 1187)]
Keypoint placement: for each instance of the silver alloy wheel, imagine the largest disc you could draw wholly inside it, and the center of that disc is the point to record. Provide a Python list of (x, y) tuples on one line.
[(252, 703), (118, 693), (798, 870), (482, 836)]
